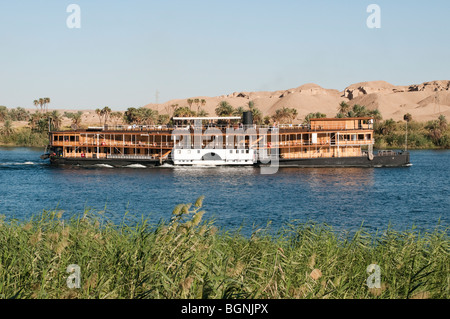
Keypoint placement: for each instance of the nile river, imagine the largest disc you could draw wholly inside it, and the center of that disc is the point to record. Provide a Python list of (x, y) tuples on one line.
[(341, 197)]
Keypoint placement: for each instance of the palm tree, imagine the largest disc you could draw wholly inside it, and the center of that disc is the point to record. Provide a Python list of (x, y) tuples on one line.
[(116, 117), (3, 113), (285, 114), (106, 112), (148, 116), (343, 108), (376, 114), (34, 120), (197, 102), (251, 105), (224, 109), (183, 112), (190, 101), (41, 103), (36, 103), (99, 114), (202, 113), (310, 116), (131, 115), (442, 121), (46, 102), (7, 128), (257, 115), (239, 111), (386, 127), (56, 119), (294, 114), (76, 118), (173, 107), (203, 102)]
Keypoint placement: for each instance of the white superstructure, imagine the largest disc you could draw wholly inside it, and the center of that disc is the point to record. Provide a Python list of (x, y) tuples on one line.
[(213, 157)]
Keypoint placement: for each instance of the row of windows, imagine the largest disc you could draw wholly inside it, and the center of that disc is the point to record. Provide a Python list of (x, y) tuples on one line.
[(231, 151), (62, 138)]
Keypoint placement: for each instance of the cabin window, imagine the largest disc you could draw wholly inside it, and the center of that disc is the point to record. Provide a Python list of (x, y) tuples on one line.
[(60, 138), (360, 136), (55, 138), (72, 138)]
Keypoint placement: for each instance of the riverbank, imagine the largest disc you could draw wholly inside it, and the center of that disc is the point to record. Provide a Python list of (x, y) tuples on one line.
[(191, 258), (24, 137)]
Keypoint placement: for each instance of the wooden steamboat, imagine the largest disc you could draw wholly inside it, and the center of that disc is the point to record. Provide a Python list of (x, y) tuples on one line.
[(323, 142)]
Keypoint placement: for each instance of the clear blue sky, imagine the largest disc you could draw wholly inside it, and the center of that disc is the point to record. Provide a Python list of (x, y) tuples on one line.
[(127, 50)]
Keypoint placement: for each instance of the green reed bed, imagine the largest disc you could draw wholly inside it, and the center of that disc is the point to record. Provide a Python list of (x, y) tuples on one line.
[(190, 258)]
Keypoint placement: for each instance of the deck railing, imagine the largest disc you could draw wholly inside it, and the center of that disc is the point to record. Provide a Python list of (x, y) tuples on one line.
[(169, 128)]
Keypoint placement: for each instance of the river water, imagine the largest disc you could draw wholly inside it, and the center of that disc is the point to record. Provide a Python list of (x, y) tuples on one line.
[(341, 197)]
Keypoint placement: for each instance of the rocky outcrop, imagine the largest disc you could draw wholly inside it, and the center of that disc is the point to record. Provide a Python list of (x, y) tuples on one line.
[(433, 86), (365, 88), (309, 89)]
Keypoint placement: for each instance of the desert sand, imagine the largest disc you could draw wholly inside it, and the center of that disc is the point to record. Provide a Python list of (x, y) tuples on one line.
[(425, 101)]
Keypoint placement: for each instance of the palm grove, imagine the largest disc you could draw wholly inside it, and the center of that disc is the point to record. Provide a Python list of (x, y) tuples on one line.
[(388, 133)]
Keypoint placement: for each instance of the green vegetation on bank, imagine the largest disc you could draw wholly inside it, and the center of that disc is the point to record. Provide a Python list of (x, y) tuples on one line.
[(190, 258), (389, 134), (421, 135)]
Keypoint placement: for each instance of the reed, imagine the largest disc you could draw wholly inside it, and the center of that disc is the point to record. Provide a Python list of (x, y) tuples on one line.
[(188, 257)]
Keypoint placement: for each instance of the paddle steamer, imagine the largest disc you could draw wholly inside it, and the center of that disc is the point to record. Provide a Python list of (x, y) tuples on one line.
[(323, 142)]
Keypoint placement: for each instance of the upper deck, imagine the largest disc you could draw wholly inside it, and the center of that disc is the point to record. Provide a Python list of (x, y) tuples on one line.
[(315, 125)]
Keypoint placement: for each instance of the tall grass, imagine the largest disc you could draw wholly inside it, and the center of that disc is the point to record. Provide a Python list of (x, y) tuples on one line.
[(188, 257)]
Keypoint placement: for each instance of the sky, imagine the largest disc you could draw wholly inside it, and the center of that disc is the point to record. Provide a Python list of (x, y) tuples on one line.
[(131, 53)]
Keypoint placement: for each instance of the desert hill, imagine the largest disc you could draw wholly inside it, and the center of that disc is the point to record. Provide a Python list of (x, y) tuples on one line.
[(424, 101)]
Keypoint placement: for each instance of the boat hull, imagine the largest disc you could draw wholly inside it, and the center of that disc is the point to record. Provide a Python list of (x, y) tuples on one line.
[(101, 162), (397, 160)]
